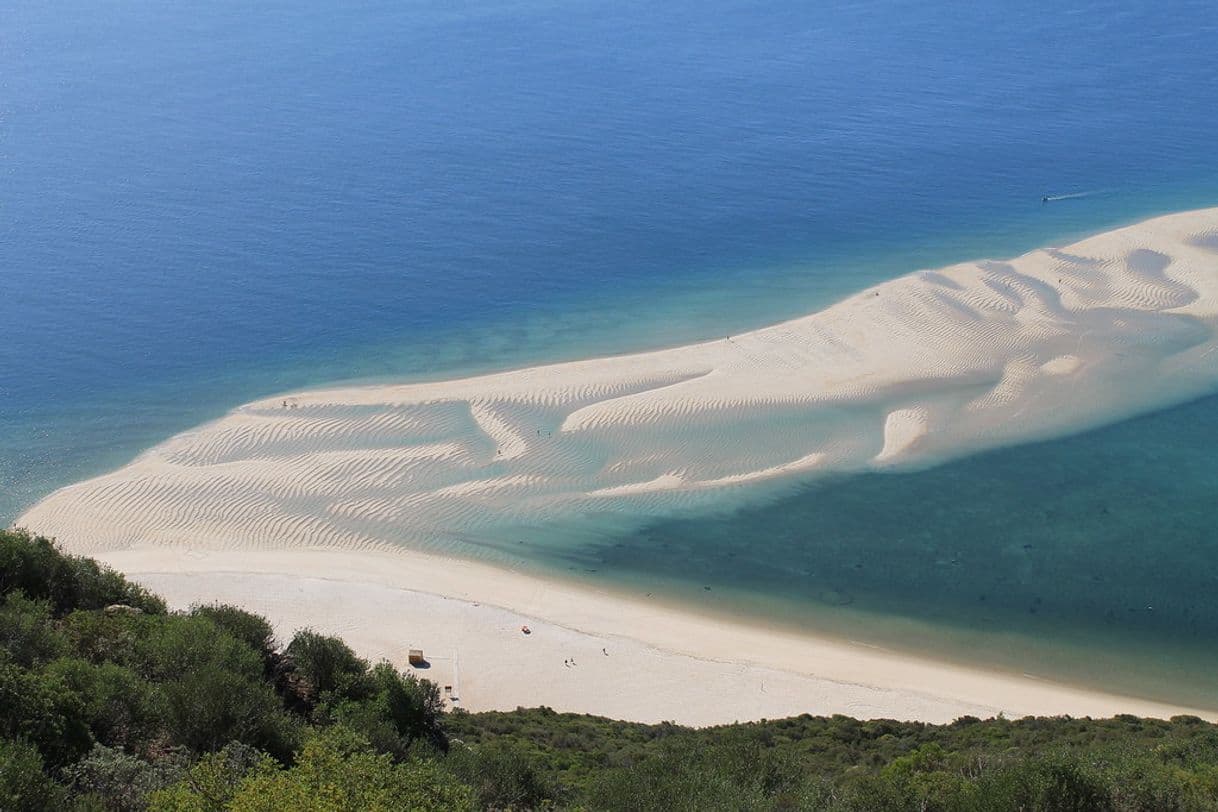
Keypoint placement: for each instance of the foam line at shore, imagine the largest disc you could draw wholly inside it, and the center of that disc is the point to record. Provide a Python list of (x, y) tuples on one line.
[(925, 367)]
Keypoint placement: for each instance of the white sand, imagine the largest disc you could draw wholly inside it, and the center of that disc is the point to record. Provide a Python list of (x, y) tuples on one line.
[(912, 372), (661, 663)]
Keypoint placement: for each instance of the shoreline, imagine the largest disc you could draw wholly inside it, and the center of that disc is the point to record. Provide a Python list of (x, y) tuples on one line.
[(915, 371), (634, 660)]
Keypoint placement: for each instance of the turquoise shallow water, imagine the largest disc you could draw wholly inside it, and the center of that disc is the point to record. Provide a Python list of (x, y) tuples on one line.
[(203, 206), (1089, 558)]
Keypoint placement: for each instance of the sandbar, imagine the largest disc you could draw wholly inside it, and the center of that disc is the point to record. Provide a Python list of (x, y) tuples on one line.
[(400, 489)]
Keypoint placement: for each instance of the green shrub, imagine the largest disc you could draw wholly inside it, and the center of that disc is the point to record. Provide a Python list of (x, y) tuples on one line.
[(252, 630), (120, 708), (395, 712), (27, 631), (120, 781), (336, 771), (42, 710), (24, 787), (212, 782), (178, 644), (504, 775), (673, 780), (101, 638), (204, 685), (35, 566), (115, 705), (327, 666), (209, 706)]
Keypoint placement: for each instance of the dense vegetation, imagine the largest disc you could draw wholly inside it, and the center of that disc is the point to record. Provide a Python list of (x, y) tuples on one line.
[(110, 702)]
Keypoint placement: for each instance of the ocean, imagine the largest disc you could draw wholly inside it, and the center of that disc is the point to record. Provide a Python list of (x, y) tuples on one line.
[(204, 205)]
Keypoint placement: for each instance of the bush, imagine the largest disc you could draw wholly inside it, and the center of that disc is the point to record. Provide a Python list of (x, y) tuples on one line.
[(1066, 783), (398, 711), (27, 631), (116, 704), (101, 638), (335, 771), (205, 687), (673, 781), (176, 645), (252, 630), (119, 780), (209, 785), (327, 666), (504, 775), (44, 712), (210, 706), (35, 566), (119, 707), (23, 785)]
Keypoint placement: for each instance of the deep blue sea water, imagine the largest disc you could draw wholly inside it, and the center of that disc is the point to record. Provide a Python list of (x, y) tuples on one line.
[(205, 203)]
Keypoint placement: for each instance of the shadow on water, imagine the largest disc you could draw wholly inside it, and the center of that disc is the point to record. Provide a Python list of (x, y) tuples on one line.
[(1092, 558)]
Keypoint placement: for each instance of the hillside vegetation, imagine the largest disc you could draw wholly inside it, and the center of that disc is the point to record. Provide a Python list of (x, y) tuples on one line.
[(110, 702)]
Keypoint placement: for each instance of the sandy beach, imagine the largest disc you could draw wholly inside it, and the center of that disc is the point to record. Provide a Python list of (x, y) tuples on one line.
[(590, 651), (342, 508)]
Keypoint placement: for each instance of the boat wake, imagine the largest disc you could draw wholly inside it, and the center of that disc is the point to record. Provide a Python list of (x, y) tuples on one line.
[(1073, 196)]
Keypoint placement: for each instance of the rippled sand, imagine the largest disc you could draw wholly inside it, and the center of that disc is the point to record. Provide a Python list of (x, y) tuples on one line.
[(914, 371)]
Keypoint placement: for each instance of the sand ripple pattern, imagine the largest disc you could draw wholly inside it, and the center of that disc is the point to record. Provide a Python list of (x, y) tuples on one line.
[(926, 367)]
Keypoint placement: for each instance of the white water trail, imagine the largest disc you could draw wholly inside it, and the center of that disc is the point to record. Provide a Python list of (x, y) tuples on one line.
[(1075, 195)]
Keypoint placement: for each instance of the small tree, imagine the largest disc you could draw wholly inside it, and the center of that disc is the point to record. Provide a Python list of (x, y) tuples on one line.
[(209, 706), (327, 666), (251, 629), (397, 711)]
